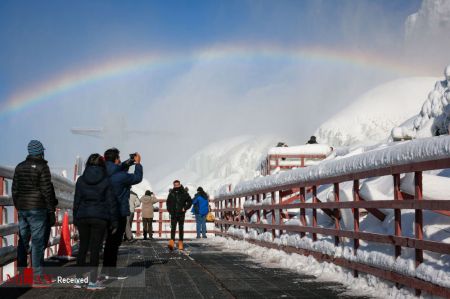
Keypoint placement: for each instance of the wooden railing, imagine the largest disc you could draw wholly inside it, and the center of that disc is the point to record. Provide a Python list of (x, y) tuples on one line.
[(64, 189), (162, 217), (232, 213)]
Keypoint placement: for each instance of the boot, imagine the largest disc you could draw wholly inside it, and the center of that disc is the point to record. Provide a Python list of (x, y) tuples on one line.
[(145, 235), (180, 245), (171, 244)]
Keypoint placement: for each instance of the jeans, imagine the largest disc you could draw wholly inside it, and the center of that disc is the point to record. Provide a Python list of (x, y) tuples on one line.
[(32, 225), (112, 245), (201, 225), (92, 232), (174, 219), (128, 228)]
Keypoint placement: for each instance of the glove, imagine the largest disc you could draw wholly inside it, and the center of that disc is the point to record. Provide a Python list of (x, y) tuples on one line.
[(51, 218), (113, 227)]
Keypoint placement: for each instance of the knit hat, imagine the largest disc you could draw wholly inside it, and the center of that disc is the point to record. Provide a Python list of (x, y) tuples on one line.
[(200, 189), (35, 148)]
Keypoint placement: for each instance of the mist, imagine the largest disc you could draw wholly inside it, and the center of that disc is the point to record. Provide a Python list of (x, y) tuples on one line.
[(184, 107)]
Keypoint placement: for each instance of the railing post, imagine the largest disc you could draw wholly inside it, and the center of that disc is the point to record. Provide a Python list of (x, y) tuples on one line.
[(1, 223), (247, 219), (138, 223), (280, 212), (336, 213), (355, 220), (302, 210), (160, 220), (264, 213), (16, 239), (314, 222), (397, 213), (418, 223), (272, 199), (258, 215)]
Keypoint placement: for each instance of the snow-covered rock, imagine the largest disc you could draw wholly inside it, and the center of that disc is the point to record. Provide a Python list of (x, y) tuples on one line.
[(371, 117)]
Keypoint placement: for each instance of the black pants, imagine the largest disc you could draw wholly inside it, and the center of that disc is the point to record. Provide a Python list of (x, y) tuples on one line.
[(112, 245), (148, 228), (174, 219), (92, 232)]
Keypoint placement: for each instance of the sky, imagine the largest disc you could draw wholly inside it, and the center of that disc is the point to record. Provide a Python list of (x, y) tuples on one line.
[(187, 73)]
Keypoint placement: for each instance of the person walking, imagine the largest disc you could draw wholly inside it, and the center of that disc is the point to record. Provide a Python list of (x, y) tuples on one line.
[(94, 209), (134, 203), (200, 208), (34, 199), (121, 182), (178, 202), (148, 200)]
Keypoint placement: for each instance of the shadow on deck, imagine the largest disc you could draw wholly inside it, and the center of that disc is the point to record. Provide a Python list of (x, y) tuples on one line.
[(206, 272)]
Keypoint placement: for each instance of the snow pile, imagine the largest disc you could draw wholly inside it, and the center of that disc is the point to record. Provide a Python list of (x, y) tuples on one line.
[(364, 285), (371, 117), (307, 149), (226, 162), (399, 153), (434, 117)]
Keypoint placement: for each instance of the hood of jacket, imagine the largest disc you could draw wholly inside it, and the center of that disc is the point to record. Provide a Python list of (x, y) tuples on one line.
[(112, 168), (93, 175)]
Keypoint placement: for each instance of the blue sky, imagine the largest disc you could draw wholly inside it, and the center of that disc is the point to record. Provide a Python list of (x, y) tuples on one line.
[(42, 39)]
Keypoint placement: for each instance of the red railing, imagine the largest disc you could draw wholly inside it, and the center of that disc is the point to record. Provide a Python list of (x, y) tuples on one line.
[(287, 161), (10, 229), (163, 217), (232, 213)]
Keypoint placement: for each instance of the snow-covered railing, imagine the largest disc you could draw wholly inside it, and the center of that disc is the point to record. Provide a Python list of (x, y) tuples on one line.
[(9, 228), (395, 160), (293, 157)]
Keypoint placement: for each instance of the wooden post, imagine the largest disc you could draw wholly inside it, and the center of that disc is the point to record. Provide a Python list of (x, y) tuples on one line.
[(247, 219), (1, 223), (355, 220), (258, 215), (280, 211), (16, 240), (397, 213), (138, 223), (418, 221), (160, 220), (336, 213), (272, 199), (302, 210), (264, 212), (314, 222)]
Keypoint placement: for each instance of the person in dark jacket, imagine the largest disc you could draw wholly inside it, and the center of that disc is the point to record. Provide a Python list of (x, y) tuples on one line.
[(178, 202), (121, 182), (200, 208), (34, 199), (94, 209)]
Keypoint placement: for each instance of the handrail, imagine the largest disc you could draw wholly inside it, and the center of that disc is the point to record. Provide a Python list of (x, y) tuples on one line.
[(414, 156), (64, 189)]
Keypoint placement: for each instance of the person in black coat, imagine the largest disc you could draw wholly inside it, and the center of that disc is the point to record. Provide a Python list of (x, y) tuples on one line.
[(94, 209), (178, 202), (34, 199)]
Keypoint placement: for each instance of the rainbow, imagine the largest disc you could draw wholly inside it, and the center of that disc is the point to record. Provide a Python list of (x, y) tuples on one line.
[(69, 81)]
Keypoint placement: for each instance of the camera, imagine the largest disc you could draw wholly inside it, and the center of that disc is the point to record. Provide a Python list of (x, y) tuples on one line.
[(130, 161)]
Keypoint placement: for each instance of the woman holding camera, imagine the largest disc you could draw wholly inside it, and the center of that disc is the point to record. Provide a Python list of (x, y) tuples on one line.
[(147, 213), (94, 209)]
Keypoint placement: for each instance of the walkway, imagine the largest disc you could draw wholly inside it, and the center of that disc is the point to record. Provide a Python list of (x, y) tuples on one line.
[(206, 272)]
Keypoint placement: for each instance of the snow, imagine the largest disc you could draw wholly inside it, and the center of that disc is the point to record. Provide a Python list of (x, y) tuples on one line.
[(364, 285), (371, 117), (434, 117), (398, 153), (225, 162), (308, 149)]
